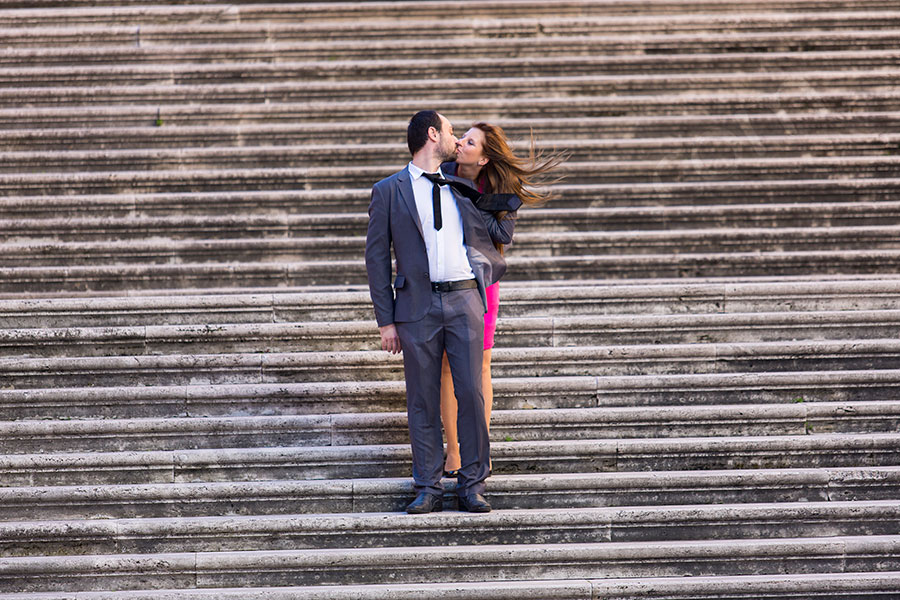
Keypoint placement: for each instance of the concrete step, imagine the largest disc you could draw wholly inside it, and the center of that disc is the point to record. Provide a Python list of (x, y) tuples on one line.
[(526, 246), (320, 178), (514, 332), (506, 527), (319, 155), (625, 31), (283, 88), (286, 44), (111, 278), (566, 491), (531, 457), (412, 565), (518, 299), (750, 264), (392, 71), (510, 393), (828, 586), (343, 203), (249, 368), (141, 113), (596, 129), (149, 434), (79, 32), (531, 221), (136, 12)]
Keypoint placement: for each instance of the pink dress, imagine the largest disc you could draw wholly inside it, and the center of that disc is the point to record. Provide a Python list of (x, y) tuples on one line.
[(490, 317), (493, 307)]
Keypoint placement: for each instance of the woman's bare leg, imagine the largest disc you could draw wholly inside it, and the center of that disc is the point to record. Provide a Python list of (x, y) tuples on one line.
[(449, 408), (487, 388), (448, 417)]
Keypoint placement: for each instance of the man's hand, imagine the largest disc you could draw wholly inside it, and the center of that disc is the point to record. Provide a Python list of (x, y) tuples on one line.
[(390, 341)]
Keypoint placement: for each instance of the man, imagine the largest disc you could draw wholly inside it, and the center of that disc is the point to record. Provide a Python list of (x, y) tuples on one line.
[(445, 260)]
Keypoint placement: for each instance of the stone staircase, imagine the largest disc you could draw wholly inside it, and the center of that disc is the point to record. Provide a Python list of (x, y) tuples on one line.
[(697, 365)]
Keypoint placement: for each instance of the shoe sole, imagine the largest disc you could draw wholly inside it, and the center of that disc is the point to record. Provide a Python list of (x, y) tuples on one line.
[(424, 512)]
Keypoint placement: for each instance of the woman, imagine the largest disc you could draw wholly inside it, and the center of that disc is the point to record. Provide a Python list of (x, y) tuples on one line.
[(483, 155)]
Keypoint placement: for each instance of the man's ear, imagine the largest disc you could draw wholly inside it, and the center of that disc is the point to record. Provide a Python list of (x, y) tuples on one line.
[(433, 134)]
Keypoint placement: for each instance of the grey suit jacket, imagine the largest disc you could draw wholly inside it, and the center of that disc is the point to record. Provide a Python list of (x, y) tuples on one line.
[(394, 220)]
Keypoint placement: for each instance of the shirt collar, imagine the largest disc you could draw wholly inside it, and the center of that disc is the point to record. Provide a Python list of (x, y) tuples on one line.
[(416, 172)]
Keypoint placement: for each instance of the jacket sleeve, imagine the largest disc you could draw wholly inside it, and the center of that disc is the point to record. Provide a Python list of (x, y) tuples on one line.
[(501, 231), (378, 257)]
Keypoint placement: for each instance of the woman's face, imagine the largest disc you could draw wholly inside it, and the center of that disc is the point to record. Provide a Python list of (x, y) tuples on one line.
[(470, 149)]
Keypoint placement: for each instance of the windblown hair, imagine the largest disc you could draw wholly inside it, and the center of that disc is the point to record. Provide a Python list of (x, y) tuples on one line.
[(506, 173)]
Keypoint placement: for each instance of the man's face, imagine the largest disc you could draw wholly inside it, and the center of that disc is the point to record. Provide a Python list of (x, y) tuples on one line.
[(447, 141)]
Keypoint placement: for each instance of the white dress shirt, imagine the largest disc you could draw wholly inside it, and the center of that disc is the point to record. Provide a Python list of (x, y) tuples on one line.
[(447, 257)]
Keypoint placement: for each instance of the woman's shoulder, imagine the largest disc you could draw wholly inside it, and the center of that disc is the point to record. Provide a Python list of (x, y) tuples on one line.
[(449, 168)]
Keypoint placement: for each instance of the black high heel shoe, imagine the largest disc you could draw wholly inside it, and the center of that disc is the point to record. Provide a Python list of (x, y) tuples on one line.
[(451, 474)]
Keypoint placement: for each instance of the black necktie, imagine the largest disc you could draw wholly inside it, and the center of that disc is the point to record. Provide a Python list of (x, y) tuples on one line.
[(436, 181), (488, 202)]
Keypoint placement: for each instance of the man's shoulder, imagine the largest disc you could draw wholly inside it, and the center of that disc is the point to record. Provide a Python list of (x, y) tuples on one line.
[(391, 180)]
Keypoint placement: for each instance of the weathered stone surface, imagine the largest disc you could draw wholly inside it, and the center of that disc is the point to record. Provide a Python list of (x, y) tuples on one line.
[(507, 527), (543, 491), (192, 402), (341, 567)]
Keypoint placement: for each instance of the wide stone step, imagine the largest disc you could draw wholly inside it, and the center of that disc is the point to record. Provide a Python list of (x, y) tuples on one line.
[(507, 492), (54, 48), (318, 155), (249, 368), (319, 178), (749, 264), (108, 278), (515, 332), (412, 565), (596, 129), (519, 300), (348, 462), (55, 12), (336, 72), (458, 110), (839, 22), (531, 220), (345, 203), (507, 527), (129, 435), (828, 586), (527, 246), (510, 393), (281, 90), (211, 226)]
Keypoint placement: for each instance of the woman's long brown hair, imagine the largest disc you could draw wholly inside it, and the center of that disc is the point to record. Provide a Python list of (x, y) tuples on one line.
[(506, 173)]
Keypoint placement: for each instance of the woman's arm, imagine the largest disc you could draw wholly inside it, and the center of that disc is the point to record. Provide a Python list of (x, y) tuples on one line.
[(501, 229)]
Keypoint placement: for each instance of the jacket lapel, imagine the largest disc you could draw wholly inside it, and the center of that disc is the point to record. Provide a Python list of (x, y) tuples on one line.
[(409, 198)]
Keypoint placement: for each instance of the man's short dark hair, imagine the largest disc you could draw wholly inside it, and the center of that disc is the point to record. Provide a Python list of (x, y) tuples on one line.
[(417, 132)]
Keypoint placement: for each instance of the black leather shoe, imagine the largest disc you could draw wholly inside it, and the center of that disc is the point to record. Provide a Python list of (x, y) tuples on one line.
[(426, 503), (474, 503)]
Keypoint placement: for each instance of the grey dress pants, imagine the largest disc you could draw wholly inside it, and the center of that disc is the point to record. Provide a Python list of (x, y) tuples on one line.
[(455, 323)]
